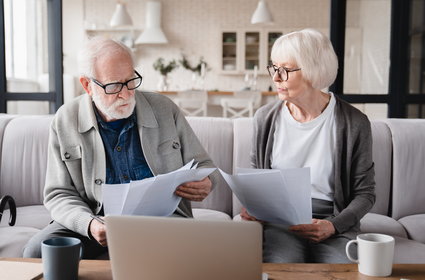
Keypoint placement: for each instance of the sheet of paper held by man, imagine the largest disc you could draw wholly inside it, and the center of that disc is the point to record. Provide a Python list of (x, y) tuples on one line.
[(273, 195), (152, 196)]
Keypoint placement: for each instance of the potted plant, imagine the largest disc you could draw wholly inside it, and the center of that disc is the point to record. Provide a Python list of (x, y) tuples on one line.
[(198, 70), (164, 69)]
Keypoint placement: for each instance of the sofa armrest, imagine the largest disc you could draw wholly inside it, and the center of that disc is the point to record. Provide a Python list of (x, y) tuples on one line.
[(12, 207), (377, 223)]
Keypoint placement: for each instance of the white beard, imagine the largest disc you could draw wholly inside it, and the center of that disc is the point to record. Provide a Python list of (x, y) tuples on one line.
[(112, 111)]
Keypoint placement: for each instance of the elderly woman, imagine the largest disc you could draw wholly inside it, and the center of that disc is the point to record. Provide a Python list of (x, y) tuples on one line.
[(310, 127)]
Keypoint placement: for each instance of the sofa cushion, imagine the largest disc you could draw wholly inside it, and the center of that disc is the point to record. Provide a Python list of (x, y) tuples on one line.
[(415, 226), (382, 154), (377, 223), (24, 159), (4, 120), (242, 143), (35, 216), (408, 167), (216, 136), (13, 240), (408, 251)]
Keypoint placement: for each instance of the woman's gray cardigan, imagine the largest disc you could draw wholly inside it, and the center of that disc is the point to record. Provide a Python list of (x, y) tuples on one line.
[(354, 190)]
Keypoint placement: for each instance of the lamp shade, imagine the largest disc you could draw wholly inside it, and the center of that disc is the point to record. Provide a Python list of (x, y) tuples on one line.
[(262, 14), (152, 34), (120, 16)]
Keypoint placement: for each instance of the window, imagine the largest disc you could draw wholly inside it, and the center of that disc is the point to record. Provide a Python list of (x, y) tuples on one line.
[(31, 46), (375, 34)]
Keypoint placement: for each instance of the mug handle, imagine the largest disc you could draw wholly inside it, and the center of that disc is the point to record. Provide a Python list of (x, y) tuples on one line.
[(347, 247)]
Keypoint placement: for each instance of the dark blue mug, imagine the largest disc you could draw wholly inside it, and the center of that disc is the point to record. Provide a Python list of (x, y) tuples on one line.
[(61, 257)]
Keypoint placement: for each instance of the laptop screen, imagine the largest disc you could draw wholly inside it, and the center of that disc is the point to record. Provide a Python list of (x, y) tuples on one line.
[(161, 248)]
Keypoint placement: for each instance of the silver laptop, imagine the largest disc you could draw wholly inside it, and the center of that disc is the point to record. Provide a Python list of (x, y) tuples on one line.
[(157, 248)]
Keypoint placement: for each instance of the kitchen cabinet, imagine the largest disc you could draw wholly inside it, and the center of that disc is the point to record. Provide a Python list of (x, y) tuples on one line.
[(243, 49), (229, 57)]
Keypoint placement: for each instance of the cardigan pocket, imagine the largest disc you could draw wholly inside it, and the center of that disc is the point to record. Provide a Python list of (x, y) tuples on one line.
[(71, 153), (169, 146)]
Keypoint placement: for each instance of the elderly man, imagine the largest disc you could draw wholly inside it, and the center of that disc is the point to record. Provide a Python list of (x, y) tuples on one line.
[(112, 135)]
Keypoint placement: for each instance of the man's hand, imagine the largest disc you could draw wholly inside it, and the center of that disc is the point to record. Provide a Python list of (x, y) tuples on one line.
[(246, 217), (98, 231), (195, 191), (317, 231)]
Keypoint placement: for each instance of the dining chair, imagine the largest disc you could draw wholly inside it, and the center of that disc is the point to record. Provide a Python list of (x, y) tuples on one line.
[(192, 102), (241, 104)]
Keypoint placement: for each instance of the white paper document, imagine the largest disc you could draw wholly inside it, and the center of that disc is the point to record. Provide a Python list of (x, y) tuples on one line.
[(273, 195), (152, 196)]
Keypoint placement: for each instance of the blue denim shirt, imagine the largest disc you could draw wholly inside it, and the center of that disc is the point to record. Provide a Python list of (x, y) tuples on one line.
[(125, 160)]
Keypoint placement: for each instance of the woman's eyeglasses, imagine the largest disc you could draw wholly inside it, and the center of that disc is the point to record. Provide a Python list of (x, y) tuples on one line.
[(281, 71)]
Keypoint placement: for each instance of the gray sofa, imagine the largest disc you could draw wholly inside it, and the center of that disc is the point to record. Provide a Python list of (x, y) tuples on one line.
[(399, 155)]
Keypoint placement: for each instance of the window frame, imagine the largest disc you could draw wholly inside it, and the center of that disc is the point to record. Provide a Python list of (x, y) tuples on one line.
[(55, 62), (398, 96)]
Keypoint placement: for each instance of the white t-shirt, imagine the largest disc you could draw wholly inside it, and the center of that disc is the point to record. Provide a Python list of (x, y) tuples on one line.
[(309, 144)]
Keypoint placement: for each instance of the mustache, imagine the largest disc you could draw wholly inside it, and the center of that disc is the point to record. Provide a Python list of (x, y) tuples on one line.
[(121, 102)]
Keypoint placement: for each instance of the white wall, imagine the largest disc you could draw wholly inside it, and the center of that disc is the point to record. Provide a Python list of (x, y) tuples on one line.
[(193, 27)]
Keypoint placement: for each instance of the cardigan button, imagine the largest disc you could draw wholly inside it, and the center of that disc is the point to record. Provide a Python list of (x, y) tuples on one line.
[(176, 145), (67, 155), (98, 182)]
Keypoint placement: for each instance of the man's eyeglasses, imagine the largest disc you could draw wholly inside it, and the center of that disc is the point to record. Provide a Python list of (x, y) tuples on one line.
[(114, 88), (282, 71)]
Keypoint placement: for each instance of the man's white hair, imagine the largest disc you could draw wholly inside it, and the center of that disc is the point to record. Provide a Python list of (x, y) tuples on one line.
[(312, 52), (99, 46)]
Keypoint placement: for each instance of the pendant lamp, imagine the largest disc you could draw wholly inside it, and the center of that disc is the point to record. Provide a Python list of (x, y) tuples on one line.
[(262, 13), (121, 16), (152, 34)]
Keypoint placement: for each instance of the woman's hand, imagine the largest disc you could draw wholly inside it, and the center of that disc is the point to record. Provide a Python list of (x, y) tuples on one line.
[(317, 231), (246, 217)]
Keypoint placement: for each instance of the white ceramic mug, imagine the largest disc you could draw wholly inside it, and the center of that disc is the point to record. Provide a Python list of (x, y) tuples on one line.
[(375, 253)]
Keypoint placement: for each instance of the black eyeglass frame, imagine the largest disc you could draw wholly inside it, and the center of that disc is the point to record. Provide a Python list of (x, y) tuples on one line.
[(119, 83), (278, 70)]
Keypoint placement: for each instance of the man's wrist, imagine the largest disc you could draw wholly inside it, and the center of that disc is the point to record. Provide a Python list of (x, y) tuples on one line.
[(90, 236)]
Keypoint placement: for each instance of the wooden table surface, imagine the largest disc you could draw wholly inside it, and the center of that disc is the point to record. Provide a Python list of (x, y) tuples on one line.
[(101, 270), (337, 271)]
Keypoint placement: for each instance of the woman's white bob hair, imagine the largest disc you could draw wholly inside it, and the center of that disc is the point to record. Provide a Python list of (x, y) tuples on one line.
[(311, 51), (99, 46)]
